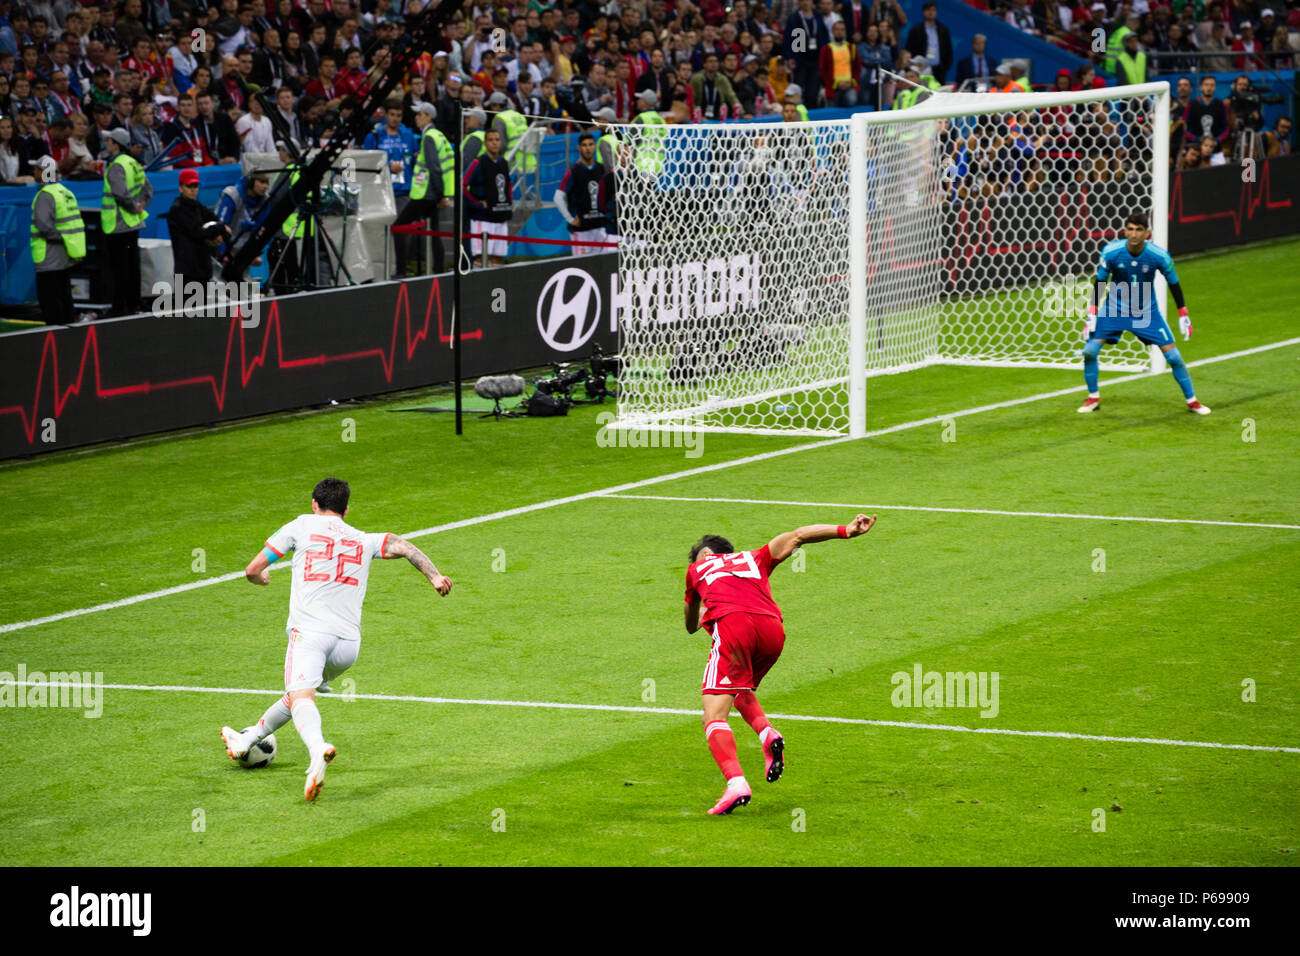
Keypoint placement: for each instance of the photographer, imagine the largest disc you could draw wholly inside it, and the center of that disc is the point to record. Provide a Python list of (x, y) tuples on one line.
[(1244, 106)]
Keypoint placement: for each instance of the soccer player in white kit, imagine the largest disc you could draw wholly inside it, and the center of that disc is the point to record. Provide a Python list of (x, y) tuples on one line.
[(331, 565)]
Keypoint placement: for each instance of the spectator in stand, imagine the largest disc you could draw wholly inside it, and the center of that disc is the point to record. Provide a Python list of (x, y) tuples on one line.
[(1171, 61), (840, 68), (256, 135), (856, 15), (287, 116), (144, 134), (874, 56), (183, 139), (978, 64), (1206, 115), (1190, 157), (1246, 43), (932, 40), (1021, 17), (888, 12), (269, 69), (1211, 155), (1218, 42), (1178, 109), (232, 88), (805, 35), (712, 91), (1277, 141), (324, 86), (217, 130), (11, 163)]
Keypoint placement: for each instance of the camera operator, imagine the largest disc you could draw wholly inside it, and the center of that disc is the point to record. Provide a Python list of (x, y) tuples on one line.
[(1244, 106)]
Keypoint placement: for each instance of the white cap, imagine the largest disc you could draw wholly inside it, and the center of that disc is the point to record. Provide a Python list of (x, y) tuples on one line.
[(1003, 70), (605, 115), (650, 96), (1265, 13), (794, 89)]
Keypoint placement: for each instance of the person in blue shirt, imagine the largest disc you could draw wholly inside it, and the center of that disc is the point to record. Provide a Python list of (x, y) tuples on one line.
[(1129, 267), (398, 140)]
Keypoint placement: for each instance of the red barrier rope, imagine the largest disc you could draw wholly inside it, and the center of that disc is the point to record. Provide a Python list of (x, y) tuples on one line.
[(414, 230)]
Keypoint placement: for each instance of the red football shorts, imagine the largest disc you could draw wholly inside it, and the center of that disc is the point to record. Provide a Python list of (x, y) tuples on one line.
[(745, 646)]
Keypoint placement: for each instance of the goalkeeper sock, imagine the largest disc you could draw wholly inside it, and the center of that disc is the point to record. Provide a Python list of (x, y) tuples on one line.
[(1181, 375), (752, 711), (722, 744), (306, 717), (276, 716), (1090, 364)]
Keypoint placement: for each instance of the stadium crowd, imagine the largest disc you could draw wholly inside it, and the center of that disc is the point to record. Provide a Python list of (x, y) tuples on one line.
[(110, 89), (179, 76)]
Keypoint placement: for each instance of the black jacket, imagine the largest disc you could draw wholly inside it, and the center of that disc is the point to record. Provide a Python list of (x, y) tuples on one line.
[(916, 44), (191, 254)]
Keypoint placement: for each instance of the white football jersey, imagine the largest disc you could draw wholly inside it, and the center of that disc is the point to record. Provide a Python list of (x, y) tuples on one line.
[(331, 565)]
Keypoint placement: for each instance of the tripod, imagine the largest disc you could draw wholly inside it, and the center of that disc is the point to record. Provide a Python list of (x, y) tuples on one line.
[(313, 267)]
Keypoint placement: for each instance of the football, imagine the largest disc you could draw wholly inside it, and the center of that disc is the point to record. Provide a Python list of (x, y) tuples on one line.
[(260, 754)]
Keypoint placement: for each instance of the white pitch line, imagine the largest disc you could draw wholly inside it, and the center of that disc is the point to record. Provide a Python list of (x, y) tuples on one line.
[(672, 712), (962, 511), (645, 482)]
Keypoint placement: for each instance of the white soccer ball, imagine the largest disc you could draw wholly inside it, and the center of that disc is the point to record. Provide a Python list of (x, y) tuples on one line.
[(261, 753)]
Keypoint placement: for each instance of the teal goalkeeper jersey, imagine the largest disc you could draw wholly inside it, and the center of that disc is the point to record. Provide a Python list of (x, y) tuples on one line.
[(1131, 296)]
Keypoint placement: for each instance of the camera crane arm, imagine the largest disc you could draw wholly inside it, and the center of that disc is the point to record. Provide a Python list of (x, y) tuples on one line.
[(285, 198)]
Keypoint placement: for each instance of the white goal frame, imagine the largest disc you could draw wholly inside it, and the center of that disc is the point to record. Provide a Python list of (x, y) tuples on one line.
[(941, 106)]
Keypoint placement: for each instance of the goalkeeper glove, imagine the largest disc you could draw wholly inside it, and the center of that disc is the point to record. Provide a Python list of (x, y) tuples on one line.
[(1185, 324), (1090, 323)]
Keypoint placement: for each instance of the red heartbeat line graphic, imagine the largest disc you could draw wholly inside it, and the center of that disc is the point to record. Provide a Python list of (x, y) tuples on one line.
[(219, 383), (1247, 204)]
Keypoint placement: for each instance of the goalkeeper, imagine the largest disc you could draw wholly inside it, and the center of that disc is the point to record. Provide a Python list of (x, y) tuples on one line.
[(1129, 267)]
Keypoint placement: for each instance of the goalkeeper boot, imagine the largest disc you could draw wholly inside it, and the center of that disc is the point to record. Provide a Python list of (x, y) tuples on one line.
[(1194, 406), (1091, 405), (237, 744), (316, 773), (774, 757), (737, 794)]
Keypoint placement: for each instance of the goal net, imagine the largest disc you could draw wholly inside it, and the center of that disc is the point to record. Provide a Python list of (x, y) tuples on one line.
[(767, 270)]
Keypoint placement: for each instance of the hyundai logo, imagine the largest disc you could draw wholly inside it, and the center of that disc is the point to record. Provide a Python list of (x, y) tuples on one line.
[(568, 310)]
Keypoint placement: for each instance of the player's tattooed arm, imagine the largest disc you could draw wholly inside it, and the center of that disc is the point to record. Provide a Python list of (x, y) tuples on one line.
[(784, 545), (398, 547)]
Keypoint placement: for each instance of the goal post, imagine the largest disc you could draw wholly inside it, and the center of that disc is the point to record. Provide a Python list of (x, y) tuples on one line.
[(767, 270)]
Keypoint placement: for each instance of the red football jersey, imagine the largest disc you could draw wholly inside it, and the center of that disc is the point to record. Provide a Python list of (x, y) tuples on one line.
[(733, 582)]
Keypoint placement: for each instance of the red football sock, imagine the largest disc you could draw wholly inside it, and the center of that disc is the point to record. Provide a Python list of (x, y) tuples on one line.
[(752, 711), (722, 744)]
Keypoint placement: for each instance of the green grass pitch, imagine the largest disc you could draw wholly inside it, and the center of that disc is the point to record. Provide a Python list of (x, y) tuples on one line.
[(580, 603)]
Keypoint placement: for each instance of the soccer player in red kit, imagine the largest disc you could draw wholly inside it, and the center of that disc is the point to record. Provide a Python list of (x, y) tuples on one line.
[(732, 589)]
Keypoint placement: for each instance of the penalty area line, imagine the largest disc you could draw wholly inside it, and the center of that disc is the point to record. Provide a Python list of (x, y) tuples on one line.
[(670, 712), (614, 490), (962, 511)]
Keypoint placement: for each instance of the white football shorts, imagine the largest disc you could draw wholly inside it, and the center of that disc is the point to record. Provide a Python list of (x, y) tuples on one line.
[(315, 659)]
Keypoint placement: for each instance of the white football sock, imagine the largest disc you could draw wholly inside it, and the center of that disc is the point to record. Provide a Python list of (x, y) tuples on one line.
[(276, 716), (306, 717)]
